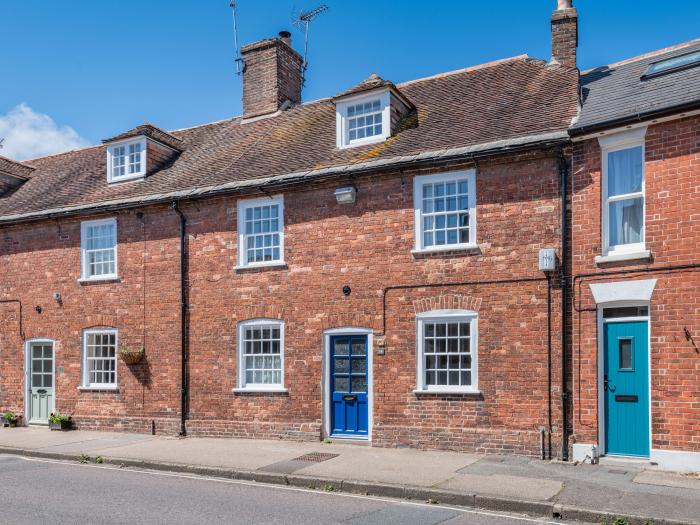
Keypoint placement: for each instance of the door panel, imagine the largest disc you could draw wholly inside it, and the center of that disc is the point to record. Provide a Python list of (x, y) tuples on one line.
[(41, 382), (349, 401), (626, 388)]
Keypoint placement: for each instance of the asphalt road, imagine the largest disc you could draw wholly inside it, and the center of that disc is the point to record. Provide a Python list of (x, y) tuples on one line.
[(43, 491)]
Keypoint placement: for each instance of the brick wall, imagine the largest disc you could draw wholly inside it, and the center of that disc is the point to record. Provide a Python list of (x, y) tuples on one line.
[(565, 36), (672, 169), (366, 245)]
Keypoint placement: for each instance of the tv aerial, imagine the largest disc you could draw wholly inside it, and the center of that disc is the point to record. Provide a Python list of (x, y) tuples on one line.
[(301, 21), (237, 51)]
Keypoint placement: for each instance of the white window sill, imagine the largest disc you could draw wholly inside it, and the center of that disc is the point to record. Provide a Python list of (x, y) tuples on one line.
[(447, 391), (273, 264), (358, 143), (631, 256), (100, 279), (98, 388), (447, 248), (260, 390), (127, 178)]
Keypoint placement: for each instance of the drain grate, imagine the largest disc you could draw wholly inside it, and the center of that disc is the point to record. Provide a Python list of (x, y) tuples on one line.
[(316, 457)]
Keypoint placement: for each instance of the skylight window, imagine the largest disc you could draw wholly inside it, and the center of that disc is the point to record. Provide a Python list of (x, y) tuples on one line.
[(672, 64)]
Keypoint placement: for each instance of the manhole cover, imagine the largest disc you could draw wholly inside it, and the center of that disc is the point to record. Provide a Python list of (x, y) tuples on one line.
[(617, 471), (316, 457)]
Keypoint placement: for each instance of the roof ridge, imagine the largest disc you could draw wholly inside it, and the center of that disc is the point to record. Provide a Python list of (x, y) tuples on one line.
[(465, 69), (647, 55), (67, 152)]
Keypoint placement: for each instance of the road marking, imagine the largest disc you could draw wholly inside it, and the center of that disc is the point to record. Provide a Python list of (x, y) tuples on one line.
[(295, 489)]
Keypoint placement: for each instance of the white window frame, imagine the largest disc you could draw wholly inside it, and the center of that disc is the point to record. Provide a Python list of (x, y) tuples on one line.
[(418, 183), (341, 112), (243, 205), (455, 315), (127, 176), (610, 144), (83, 250), (85, 373), (242, 386)]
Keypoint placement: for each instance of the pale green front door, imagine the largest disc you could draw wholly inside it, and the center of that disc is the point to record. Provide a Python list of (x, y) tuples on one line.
[(40, 382)]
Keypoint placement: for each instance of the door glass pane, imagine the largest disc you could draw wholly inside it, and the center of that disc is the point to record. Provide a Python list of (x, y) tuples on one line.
[(36, 381), (342, 347), (36, 365), (36, 352), (342, 384), (342, 365), (48, 381), (625, 348), (359, 383), (358, 347), (359, 365)]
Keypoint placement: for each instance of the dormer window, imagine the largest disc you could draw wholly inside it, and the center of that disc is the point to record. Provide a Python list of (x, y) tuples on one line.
[(126, 160), (363, 120)]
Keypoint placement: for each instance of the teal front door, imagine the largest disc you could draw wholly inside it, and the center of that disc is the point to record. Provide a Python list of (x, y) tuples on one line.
[(626, 388), (41, 383)]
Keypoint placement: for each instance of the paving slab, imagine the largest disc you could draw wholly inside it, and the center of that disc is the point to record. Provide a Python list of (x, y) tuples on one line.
[(667, 479), (534, 489), (392, 465)]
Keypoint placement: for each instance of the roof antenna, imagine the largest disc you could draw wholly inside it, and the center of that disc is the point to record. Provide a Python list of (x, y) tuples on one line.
[(302, 22), (237, 51)]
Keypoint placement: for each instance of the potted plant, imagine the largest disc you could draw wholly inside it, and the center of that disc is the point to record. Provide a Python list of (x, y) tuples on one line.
[(58, 421), (131, 356), (10, 419)]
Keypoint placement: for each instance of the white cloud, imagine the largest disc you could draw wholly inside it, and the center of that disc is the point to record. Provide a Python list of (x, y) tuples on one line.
[(29, 134)]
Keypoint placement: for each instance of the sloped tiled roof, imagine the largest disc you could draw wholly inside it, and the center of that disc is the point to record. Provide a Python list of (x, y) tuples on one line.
[(616, 93), (149, 130), (14, 168), (506, 100)]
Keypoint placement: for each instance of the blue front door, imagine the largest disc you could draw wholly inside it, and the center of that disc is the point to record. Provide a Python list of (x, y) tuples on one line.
[(348, 367), (626, 388)]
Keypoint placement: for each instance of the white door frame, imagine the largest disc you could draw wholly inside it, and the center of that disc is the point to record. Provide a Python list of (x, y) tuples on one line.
[(601, 361), (27, 371), (347, 330)]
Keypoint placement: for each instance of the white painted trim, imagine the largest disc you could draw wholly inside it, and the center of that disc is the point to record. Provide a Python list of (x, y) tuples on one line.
[(610, 144), (240, 369), (636, 292), (643, 124), (84, 225), (448, 315), (341, 118), (241, 207), (418, 183), (677, 460), (27, 371), (601, 361), (84, 381), (126, 143), (326, 390), (643, 255)]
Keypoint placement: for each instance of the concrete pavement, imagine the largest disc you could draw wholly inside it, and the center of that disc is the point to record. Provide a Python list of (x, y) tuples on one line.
[(587, 492)]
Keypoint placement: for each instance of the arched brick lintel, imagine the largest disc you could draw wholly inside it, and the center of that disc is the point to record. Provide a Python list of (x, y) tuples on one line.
[(447, 301)]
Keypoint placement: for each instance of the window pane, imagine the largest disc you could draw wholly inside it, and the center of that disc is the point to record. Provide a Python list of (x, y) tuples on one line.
[(262, 359), (447, 353), (625, 173), (625, 348), (626, 221)]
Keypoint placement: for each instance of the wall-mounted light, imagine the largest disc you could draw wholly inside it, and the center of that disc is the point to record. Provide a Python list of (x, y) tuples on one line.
[(346, 195)]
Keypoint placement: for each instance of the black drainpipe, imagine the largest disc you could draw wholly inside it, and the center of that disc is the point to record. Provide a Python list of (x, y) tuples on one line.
[(183, 321), (563, 169)]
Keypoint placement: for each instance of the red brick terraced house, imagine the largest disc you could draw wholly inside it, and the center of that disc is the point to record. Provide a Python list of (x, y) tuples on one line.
[(635, 272), (393, 264)]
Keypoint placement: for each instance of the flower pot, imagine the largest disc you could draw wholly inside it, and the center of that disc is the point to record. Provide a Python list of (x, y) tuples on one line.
[(61, 425), (131, 357), (12, 423)]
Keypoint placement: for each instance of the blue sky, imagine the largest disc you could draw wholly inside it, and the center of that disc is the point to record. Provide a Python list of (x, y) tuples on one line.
[(97, 68)]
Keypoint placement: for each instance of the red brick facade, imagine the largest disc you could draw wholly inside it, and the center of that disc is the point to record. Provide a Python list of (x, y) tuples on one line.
[(672, 169), (367, 246)]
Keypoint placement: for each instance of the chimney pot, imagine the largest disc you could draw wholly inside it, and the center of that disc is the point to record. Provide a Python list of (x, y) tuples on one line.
[(286, 37), (563, 4)]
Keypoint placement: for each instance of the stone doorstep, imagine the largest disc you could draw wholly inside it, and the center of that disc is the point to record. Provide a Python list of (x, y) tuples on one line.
[(432, 495)]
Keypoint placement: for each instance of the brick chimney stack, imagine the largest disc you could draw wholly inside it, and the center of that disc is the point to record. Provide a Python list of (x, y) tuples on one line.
[(564, 34), (271, 75)]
